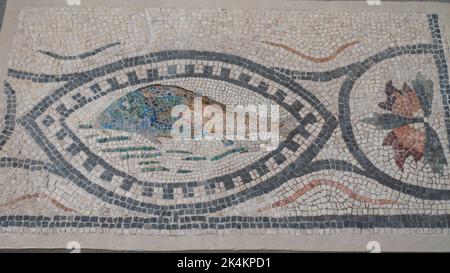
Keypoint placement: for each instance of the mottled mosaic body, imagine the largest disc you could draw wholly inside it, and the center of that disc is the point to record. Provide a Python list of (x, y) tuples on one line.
[(364, 122)]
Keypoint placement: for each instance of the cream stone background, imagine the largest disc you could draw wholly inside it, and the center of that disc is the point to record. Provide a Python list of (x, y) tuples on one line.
[(345, 240)]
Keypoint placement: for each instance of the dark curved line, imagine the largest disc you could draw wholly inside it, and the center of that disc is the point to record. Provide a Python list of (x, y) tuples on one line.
[(442, 67), (332, 164), (317, 76), (28, 164), (80, 56), (267, 72), (9, 120), (192, 208), (320, 108), (347, 131), (40, 77), (295, 169)]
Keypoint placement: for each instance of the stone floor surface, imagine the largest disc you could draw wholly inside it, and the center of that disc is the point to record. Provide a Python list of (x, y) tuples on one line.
[(363, 148)]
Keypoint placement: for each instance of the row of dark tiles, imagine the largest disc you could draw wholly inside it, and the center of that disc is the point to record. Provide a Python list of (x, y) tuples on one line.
[(231, 222)]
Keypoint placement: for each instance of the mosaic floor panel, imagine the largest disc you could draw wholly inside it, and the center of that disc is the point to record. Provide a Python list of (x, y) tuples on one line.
[(364, 130)]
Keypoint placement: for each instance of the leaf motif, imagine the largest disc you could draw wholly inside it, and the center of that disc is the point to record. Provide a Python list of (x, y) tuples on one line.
[(434, 153), (388, 121), (424, 92)]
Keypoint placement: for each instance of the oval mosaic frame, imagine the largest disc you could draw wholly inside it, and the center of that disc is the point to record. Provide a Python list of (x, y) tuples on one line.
[(41, 117)]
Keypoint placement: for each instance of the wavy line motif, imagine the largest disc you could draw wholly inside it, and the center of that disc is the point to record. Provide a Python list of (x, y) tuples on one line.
[(80, 56), (312, 58), (25, 197), (319, 182)]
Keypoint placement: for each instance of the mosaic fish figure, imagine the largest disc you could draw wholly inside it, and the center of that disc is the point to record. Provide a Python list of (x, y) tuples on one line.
[(147, 111)]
